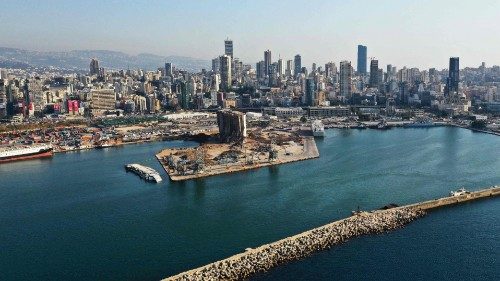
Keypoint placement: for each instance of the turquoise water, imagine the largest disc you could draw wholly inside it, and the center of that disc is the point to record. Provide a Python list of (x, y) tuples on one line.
[(79, 216)]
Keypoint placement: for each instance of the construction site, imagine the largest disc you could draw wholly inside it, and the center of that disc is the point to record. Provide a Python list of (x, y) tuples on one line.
[(238, 148)]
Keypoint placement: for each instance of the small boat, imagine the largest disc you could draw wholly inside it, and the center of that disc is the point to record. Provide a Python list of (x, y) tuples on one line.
[(459, 192), (382, 125)]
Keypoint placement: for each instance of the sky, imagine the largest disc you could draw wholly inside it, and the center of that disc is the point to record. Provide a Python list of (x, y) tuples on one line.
[(421, 33)]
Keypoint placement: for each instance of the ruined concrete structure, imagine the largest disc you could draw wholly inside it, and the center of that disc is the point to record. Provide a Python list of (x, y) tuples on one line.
[(232, 125)]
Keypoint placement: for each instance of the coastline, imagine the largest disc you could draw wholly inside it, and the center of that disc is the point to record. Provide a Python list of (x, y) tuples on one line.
[(191, 138)]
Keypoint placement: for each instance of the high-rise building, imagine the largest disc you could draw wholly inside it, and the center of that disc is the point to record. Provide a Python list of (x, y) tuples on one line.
[(184, 95), (330, 69), (273, 74), (374, 79), (216, 65), (310, 91), (215, 82), (168, 69), (267, 61), (281, 67), (289, 68), (260, 70), (362, 58), (102, 100), (94, 67), (237, 70), (298, 65), (389, 76), (453, 76), (228, 48), (345, 79), (433, 75), (225, 72), (303, 70)]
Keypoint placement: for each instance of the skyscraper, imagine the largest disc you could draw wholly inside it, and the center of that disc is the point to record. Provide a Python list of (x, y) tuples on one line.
[(228, 48), (281, 67), (225, 72), (362, 55), (184, 95), (289, 68), (267, 61), (330, 69), (216, 65), (374, 79), (94, 67), (432, 75), (260, 70), (273, 73), (345, 79), (453, 76), (168, 69), (298, 65), (310, 91), (388, 75)]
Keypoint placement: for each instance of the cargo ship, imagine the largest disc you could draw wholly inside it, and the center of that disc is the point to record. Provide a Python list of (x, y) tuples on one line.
[(25, 152)]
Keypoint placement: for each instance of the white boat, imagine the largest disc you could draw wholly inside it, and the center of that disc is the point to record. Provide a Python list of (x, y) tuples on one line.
[(318, 128), (459, 192), (382, 125)]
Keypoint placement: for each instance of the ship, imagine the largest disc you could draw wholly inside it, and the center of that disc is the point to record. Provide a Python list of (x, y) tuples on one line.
[(421, 123), (25, 152), (318, 128), (383, 125)]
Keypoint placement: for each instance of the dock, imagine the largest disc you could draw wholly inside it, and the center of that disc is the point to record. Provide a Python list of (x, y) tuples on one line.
[(263, 258), (207, 160), (146, 173)]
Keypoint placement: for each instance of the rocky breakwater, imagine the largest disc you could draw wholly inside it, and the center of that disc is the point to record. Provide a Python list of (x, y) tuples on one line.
[(263, 258)]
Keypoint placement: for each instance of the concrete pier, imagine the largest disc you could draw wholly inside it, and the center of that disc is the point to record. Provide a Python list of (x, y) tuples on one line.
[(452, 200), (144, 172), (263, 258), (308, 150)]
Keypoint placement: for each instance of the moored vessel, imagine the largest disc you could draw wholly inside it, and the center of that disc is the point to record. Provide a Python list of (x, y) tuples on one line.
[(382, 125), (459, 192), (25, 152), (421, 123), (318, 128)]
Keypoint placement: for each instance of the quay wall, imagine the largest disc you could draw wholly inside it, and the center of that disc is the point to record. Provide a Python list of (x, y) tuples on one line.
[(263, 258)]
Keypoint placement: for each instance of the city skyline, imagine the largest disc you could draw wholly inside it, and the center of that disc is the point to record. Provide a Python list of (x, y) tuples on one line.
[(235, 140), (331, 31)]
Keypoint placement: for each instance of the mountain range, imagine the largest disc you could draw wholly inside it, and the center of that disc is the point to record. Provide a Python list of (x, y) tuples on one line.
[(80, 60)]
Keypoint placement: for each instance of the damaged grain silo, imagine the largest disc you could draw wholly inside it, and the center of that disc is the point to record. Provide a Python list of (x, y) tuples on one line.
[(232, 125)]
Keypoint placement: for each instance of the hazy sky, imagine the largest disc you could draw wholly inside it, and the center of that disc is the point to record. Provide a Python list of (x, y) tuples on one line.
[(421, 33)]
